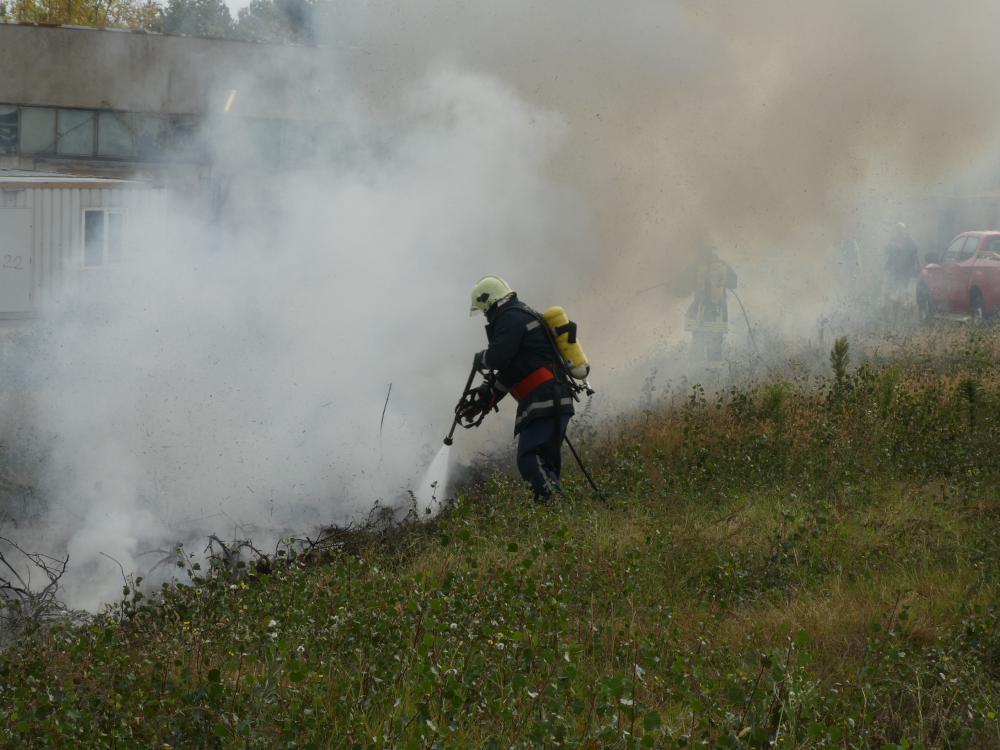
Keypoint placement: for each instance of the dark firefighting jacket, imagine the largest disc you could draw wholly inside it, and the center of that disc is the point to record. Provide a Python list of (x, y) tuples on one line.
[(523, 354)]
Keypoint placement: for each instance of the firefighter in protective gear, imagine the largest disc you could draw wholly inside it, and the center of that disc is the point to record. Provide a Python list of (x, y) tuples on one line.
[(902, 263), (707, 317), (522, 353)]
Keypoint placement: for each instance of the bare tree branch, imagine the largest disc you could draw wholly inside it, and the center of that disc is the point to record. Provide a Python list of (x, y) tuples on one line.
[(22, 607)]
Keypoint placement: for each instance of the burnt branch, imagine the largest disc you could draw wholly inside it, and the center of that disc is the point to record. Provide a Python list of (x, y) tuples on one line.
[(24, 605), (235, 554)]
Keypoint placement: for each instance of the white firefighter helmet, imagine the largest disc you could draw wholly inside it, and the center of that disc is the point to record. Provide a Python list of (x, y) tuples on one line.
[(487, 292)]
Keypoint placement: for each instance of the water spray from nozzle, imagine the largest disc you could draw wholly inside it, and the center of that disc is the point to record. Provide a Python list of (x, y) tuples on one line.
[(434, 484)]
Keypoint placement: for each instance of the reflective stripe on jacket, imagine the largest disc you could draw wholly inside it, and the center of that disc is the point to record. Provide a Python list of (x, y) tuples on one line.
[(518, 348)]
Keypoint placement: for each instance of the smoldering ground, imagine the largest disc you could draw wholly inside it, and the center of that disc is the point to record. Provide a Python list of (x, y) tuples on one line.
[(234, 375)]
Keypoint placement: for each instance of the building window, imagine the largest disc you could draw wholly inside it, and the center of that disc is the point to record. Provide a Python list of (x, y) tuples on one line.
[(75, 130), (8, 129), (151, 135), (102, 236), (168, 138), (115, 135), (186, 138), (38, 130)]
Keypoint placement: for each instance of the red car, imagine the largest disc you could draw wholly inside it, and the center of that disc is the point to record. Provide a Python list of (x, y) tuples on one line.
[(964, 282)]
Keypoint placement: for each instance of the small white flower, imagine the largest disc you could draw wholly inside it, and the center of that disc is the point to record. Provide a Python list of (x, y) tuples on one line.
[(272, 624)]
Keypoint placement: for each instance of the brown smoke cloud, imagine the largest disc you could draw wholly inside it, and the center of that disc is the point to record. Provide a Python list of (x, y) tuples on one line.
[(769, 129), (813, 99)]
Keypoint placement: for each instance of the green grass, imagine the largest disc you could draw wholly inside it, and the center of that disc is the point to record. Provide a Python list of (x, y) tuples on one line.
[(813, 563)]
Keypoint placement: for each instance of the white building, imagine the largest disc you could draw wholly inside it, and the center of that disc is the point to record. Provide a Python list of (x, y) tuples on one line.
[(91, 120), (56, 226)]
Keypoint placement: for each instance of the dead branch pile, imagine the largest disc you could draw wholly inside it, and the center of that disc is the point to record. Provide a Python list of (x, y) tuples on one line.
[(27, 603)]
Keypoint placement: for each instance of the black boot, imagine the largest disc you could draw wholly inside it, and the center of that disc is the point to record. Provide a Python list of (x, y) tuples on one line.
[(542, 498)]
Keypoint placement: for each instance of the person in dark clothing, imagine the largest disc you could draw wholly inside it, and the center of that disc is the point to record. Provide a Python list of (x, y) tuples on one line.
[(902, 264), (707, 317), (527, 364)]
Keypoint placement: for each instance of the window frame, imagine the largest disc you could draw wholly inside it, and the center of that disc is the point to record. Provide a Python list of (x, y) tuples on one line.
[(105, 261), (127, 120), (50, 149), (90, 117), (949, 257), (15, 151), (969, 254), (988, 247)]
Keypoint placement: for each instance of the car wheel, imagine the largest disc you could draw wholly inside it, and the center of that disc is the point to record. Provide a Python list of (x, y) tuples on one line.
[(925, 307), (976, 307)]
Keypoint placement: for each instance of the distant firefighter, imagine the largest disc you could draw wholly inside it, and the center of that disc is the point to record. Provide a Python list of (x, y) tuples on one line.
[(707, 317), (902, 265)]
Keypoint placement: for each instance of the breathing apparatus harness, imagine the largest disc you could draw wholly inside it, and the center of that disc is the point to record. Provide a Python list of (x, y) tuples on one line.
[(476, 402), (552, 334)]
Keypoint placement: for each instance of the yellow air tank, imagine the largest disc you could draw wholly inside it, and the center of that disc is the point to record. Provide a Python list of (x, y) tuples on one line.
[(565, 334)]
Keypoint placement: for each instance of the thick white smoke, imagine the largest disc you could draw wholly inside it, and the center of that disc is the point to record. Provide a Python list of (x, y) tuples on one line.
[(235, 377), (232, 380)]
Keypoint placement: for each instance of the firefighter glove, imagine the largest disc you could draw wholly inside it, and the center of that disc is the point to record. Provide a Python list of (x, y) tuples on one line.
[(476, 404)]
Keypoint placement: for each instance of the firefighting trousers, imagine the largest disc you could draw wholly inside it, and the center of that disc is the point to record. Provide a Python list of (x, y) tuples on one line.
[(539, 453)]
